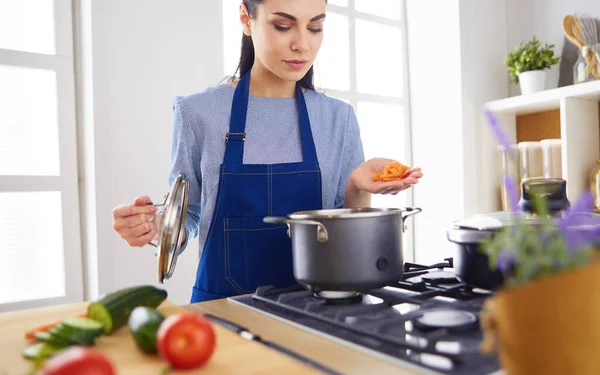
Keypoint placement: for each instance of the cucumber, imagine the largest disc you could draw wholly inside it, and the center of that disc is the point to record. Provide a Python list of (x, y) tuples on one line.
[(113, 310), (94, 327), (40, 351), (143, 324), (52, 339), (75, 334)]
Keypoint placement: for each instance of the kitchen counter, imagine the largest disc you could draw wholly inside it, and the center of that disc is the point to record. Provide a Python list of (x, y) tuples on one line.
[(233, 355), (336, 356)]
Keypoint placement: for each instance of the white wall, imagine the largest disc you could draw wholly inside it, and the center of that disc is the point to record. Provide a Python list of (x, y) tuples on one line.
[(435, 100), (456, 55), (143, 53), (543, 18)]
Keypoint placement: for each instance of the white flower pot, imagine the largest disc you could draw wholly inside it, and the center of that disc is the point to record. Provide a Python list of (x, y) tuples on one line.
[(532, 81)]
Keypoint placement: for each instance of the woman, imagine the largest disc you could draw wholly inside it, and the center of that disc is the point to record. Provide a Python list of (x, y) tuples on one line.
[(265, 145)]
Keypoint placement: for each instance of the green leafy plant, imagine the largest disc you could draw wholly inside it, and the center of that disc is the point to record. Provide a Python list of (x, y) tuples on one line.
[(526, 252), (530, 56)]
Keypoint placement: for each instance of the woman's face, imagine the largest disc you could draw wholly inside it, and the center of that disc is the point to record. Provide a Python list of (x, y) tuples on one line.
[(287, 35)]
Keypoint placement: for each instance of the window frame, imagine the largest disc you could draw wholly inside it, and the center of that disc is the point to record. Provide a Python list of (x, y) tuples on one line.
[(67, 183)]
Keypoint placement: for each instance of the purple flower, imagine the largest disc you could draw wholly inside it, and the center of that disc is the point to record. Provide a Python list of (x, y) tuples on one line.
[(513, 194), (578, 229), (584, 204), (499, 133), (505, 260)]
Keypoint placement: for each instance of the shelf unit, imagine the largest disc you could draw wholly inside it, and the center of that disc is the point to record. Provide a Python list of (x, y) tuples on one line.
[(570, 113)]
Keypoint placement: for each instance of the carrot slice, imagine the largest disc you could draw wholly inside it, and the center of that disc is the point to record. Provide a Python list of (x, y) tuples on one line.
[(391, 172), (30, 335)]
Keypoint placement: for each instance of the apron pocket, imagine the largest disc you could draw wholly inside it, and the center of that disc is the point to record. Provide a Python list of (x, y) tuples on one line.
[(257, 254)]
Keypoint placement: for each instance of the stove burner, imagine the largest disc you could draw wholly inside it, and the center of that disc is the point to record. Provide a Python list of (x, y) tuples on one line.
[(339, 297), (452, 320), (439, 277), (335, 294)]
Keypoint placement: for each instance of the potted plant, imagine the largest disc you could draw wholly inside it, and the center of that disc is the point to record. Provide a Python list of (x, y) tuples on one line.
[(528, 64), (545, 317)]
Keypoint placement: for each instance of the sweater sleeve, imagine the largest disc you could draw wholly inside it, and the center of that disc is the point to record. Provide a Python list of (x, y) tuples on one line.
[(185, 158), (352, 155)]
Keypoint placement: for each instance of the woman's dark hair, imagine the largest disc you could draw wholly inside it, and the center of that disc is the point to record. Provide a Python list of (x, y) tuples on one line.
[(247, 52)]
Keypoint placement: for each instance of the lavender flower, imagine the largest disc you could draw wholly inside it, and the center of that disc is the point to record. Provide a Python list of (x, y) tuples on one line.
[(505, 260), (577, 229), (513, 194), (498, 132)]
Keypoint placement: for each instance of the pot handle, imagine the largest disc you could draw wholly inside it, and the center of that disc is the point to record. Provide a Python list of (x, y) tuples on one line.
[(322, 235), (411, 211)]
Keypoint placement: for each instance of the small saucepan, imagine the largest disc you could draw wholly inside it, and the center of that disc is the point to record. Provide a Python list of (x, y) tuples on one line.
[(347, 249), (471, 263)]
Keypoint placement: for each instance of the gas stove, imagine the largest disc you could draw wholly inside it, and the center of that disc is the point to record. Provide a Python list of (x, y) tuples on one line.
[(427, 321)]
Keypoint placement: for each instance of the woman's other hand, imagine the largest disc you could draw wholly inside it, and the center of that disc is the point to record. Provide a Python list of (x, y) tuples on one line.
[(136, 223)]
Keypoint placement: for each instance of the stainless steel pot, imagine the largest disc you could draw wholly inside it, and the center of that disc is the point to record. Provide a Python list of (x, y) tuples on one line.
[(347, 249)]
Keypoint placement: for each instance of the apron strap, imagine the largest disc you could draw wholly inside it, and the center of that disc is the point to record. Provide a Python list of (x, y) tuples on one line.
[(309, 151), (234, 139)]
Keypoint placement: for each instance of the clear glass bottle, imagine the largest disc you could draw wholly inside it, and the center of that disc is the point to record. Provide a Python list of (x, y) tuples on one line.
[(581, 71), (595, 185)]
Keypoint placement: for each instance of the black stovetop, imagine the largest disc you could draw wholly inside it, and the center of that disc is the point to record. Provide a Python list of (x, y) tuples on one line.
[(428, 320)]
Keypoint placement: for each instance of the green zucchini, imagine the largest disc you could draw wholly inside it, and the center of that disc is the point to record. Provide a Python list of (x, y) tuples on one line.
[(113, 310), (143, 324)]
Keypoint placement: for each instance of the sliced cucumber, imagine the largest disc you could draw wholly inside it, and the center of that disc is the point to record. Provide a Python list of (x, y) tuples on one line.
[(52, 339), (76, 336), (84, 324), (40, 351)]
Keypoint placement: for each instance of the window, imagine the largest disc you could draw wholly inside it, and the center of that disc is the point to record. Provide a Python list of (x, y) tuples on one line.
[(40, 258), (363, 61)]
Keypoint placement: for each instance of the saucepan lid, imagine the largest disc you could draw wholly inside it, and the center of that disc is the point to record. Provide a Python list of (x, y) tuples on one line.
[(171, 224), (484, 226)]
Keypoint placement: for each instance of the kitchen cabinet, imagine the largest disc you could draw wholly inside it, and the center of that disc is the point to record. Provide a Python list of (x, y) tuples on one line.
[(570, 113)]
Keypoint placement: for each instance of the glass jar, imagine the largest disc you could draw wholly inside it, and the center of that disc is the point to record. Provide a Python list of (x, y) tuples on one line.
[(531, 160), (552, 155), (509, 167), (581, 69), (595, 185)]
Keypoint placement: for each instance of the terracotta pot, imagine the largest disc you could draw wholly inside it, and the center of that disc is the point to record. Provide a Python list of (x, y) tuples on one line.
[(551, 326)]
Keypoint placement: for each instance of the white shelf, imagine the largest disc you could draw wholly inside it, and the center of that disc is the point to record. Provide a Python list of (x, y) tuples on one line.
[(545, 100), (579, 131)]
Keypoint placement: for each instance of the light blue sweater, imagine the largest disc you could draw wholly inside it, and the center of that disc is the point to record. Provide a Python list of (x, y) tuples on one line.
[(201, 120)]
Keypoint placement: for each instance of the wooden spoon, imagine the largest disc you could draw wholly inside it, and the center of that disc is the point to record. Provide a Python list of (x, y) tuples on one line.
[(570, 24)]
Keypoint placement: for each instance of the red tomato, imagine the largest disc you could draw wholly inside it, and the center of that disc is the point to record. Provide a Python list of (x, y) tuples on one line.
[(186, 340), (78, 360)]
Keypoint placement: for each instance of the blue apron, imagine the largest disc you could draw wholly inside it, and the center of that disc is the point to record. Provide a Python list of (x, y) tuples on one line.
[(241, 252)]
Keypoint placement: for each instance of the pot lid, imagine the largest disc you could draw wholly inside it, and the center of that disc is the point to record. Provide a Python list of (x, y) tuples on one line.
[(496, 220), (170, 237), (350, 213)]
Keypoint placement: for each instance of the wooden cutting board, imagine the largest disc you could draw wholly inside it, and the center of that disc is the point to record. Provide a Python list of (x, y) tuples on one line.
[(233, 355)]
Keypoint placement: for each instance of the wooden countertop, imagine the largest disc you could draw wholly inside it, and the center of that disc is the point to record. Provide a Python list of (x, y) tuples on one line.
[(326, 352), (233, 354)]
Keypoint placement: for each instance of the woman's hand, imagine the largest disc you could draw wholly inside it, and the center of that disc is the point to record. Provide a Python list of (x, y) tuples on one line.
[(362, 178), (136, 223)]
